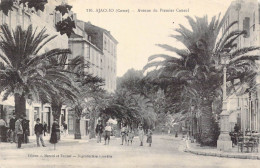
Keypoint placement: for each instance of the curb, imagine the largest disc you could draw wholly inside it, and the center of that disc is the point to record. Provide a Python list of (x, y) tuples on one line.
[(33, 144), (214, 154)]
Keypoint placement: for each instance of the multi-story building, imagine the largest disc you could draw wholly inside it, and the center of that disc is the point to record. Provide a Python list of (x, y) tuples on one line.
[(48, 19), (107, 44), (244, 109), (98, 47)]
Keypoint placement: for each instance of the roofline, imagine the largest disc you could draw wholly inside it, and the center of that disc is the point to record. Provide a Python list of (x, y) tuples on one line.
[(104, 31), (229, 8), (107, 33), (85, 40)]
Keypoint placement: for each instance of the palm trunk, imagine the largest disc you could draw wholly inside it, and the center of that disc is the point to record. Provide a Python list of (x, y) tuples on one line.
[(20, 104), (56, 111), (209, 128), (77, 115), (195, 128), (92, 128), (77, 134)]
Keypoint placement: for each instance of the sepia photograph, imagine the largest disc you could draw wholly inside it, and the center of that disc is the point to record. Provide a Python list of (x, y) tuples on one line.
[(129, 83)]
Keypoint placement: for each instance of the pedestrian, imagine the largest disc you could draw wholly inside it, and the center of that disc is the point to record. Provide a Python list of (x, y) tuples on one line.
[(149, 137), (3, 130), (124, 134), (38, 129), (12, 128), (61, 129), (236, 128), (54, 136), (65, 127), (19, 132), (163, 130), (44, 128), (141, 134), (130, 136), (99, 131), (108, 130), (236, 134), (26, 129)]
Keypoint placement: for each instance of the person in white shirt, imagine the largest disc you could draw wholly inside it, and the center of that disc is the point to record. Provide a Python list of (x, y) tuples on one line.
[(141, 134), (108, 130), (124, 134)]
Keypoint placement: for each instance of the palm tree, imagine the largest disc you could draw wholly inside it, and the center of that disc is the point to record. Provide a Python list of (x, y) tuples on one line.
[(24, 72), (88, 86), (198, 65), (68, 92), (132, 108), (90, 90)]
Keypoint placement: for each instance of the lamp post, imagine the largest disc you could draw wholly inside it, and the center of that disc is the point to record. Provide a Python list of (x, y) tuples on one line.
[(224, 142)]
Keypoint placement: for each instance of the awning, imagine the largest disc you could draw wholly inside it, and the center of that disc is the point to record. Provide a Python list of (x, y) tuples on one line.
[(8, 102)]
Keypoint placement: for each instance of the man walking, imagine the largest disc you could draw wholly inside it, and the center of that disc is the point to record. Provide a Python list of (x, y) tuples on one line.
[(12, 128), (108, 130), (141, 134), (124, 133), (38, 129), (99, 131), (19, 131)]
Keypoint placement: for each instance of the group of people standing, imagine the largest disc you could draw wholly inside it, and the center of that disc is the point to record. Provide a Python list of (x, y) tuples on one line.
[(127, 133), (19, 130), (40, 131), (55, 132), (99, 132)]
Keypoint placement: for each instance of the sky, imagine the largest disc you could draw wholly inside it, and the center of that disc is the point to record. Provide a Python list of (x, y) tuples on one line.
[(139, 32)]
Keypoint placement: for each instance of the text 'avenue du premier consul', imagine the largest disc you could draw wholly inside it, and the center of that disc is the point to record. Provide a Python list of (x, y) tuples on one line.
[(155, 10)]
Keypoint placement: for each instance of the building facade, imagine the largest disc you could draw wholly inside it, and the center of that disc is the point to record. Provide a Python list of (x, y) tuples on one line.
[(24, 17), (244, 108), (108, 45), (98, 47)]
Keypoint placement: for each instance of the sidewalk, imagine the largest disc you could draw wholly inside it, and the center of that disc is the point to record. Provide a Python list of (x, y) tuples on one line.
[(68, 140), (212, 151)]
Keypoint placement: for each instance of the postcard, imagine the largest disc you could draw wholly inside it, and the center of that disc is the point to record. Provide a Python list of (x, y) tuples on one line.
[(129, 83)]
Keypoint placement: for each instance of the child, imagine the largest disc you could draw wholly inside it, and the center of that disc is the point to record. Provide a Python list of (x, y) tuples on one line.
[(149, 137), (130, 136)]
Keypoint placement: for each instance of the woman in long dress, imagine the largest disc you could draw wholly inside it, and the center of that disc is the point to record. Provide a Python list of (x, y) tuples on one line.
[(54, 136), (141, 134)]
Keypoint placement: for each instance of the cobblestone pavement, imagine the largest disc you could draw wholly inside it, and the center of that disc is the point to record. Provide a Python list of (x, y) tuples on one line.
[(166, 151)]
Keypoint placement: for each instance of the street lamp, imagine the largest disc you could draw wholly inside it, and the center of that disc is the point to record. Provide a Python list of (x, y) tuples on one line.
[(224, 142)]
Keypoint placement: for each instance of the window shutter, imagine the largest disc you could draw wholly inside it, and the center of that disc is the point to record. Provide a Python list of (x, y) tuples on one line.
[(246, 26)]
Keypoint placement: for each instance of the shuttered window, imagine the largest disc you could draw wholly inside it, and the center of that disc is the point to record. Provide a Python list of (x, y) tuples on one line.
[(246, 26)]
